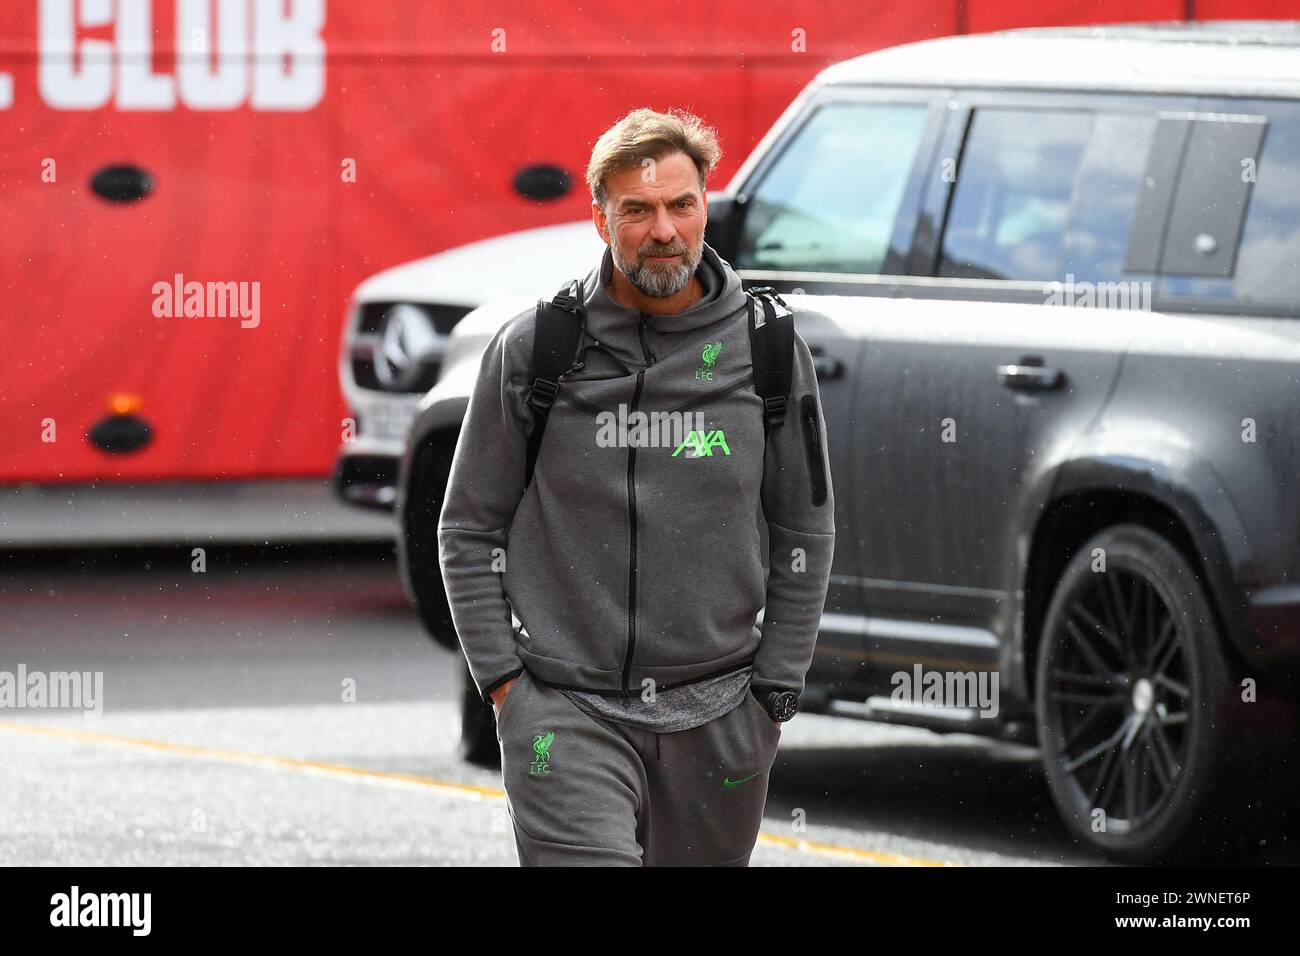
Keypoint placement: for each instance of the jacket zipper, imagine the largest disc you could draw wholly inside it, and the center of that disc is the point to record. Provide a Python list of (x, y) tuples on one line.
[(699, 401), (646, 352), (648, 356), (813, 448), (713, 395)]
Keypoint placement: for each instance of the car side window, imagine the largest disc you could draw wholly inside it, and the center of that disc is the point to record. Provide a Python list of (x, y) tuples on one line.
[(830, 201), (1106, 198), (1262, 174), (1012, 199)]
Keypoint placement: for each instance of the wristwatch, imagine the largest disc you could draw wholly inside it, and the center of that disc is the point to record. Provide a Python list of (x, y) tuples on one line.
[(781, 704)]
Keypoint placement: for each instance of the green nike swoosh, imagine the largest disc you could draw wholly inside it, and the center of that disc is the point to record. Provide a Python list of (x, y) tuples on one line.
[(728, 782)]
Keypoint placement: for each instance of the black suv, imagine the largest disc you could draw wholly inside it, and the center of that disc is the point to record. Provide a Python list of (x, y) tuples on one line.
[(1051, 279)]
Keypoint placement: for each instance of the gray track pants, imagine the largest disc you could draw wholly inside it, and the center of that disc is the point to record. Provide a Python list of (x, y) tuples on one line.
[(583, 791)]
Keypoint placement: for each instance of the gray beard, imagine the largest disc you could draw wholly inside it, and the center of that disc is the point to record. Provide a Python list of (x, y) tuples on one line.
[(658, 282)]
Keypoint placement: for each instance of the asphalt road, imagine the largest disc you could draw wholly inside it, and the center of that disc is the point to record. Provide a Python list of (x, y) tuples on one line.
[(284, 707)]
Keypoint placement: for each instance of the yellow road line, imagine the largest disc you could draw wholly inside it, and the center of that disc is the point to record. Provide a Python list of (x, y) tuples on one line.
[(259, 760), (418, 782), (848, 852)]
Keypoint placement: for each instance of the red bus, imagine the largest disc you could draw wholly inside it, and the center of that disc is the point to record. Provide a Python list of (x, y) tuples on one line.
[(191, 189)]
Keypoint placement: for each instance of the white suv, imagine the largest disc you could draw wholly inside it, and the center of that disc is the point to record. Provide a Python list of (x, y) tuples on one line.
[(399, 321)]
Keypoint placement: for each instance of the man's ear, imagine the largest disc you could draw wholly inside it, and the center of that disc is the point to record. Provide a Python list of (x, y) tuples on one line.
[(598, 218)]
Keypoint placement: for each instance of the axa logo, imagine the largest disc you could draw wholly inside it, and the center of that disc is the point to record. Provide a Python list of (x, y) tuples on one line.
[(700, 444), (707, 358)]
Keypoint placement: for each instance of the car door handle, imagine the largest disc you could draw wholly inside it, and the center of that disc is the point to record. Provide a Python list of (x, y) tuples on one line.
[(1030, 376), (826, 366)]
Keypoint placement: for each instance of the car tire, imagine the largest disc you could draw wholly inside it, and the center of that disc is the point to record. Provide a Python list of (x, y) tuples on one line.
[(1135, 702), (418, 546)]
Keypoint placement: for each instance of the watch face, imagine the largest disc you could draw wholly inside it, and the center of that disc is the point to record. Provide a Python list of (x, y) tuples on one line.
[(784, 705)]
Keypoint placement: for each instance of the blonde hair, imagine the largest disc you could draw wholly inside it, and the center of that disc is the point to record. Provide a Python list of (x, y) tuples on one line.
[(644, 133)]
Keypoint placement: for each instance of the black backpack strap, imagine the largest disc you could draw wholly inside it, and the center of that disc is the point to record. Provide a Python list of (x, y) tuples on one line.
[(771, 344), (556, 335)]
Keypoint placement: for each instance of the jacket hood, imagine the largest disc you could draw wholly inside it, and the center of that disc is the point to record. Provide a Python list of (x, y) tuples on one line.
[(618, 327)]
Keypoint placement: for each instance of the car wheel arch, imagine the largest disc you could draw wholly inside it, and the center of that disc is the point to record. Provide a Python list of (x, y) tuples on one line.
[(427, 463), (1090, 495)]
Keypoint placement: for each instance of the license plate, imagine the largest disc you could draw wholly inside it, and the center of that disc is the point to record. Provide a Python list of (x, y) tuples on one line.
[(390, 423)]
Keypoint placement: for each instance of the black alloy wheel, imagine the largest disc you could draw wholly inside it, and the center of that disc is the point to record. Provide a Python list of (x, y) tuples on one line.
[(1134, 700)]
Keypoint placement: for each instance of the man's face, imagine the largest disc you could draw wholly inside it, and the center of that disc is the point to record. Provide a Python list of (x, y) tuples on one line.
[(655, 224)]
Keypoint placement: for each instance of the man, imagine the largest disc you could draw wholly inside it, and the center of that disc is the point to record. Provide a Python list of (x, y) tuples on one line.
[(629, 733)]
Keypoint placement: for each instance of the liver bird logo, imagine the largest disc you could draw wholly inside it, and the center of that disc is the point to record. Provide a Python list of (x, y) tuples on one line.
[(542, 753), (542, 745)]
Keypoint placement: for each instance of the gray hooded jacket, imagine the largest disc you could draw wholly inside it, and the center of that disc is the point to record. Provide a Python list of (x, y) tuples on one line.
[(634, 556)]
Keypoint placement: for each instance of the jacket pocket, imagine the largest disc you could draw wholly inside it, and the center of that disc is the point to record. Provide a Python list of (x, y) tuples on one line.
[(769, 725), (511, 695), (711, 396), (812, 443)]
